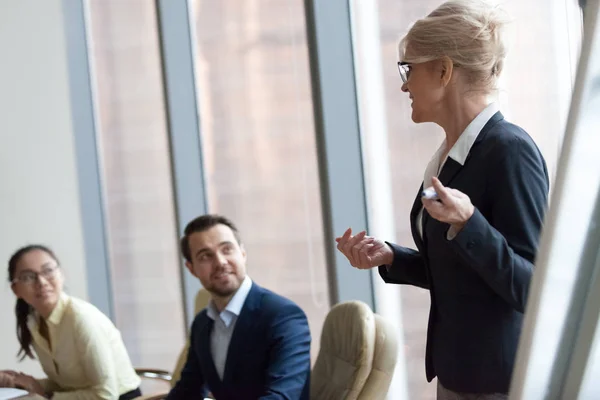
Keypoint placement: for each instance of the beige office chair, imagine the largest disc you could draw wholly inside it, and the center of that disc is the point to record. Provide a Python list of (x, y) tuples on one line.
[(201, 301), (345, 358), (384, 361)]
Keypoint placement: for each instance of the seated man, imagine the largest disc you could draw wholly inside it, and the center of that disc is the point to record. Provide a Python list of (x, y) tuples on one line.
[(249, 343)]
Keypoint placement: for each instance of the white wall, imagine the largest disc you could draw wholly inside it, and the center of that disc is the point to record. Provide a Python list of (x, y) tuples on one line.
[(39, 199)]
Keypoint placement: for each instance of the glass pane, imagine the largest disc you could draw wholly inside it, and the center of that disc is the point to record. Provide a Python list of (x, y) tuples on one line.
[(540, 66), (140, 217), (589, 385), (259, 142)]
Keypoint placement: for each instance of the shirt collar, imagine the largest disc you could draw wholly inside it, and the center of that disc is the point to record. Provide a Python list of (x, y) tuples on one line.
[(461, 148), (59, 310), (234, 307), (56, 314)]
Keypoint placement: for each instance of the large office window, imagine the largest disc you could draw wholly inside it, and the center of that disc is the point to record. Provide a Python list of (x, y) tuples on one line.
[(258, 139), (137, 184), (535, 94)]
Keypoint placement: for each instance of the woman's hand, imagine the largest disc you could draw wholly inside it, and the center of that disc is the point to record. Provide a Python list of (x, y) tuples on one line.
[(28, 383), (7, 379), (455, 207), (364, 251)]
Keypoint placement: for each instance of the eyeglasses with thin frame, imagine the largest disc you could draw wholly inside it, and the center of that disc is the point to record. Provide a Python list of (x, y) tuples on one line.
[(404, 69), (30, 277)]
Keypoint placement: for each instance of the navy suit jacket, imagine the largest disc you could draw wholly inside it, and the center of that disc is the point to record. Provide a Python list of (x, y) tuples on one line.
[(479, 281), (268, 356)]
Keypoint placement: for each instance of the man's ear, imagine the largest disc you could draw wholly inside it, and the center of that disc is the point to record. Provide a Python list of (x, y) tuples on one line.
[(447, 68), (243, 250), (190, 267)]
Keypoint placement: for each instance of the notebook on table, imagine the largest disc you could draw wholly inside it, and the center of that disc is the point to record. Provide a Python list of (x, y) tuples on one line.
[(10, 393)]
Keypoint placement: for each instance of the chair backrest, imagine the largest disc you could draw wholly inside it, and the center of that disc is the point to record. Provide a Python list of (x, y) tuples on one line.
[(346, 354), (202, 299), (384, 361)]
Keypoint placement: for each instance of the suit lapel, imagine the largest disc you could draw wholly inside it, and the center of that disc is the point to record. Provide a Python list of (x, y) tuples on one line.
[(452, 167), (447, 174), (449, 171), (414, 218), (489, 125), (243, 327), (206, 357)]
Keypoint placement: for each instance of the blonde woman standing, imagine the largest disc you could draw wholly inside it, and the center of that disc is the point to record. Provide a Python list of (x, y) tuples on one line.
[(476, 219)]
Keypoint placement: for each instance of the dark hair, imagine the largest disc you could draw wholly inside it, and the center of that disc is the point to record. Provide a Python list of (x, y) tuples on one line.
[(22, 309), (201, 224)]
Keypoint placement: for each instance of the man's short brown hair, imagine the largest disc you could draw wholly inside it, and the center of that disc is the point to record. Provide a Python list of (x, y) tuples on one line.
[(201, 224)]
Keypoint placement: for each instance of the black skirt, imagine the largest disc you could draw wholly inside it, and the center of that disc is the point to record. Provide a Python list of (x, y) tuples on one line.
[(131, 395)]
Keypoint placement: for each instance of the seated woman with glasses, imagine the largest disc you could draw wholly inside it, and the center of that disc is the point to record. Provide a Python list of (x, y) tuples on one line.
[(79, 348)]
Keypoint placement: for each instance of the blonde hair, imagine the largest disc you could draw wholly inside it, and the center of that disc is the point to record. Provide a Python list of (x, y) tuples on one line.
[(469, 32)]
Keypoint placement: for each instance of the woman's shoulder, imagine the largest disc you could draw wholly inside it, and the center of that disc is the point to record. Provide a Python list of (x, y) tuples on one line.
[(506, 138), (506, 133), (83, 312), (82, 305)]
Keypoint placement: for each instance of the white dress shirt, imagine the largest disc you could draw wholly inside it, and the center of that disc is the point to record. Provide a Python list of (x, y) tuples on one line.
[(458, 153), (224, 324)]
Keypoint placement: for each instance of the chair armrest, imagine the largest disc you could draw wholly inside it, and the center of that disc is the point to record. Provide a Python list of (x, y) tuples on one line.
[(150, 373), (152, 397), (162, 397)]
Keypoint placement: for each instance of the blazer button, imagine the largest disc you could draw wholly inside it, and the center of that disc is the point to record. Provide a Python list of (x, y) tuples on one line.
[(471, 244)]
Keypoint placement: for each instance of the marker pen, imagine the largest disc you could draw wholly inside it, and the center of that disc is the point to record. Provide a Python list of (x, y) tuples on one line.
[(429, 194)]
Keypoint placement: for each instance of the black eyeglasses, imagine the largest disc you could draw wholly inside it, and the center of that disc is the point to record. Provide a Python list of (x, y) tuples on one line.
[(30, 277), (404, 69)]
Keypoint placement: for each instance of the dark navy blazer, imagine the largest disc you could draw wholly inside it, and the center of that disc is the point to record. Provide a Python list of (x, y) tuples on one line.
[(479, 281), (268, 356)]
